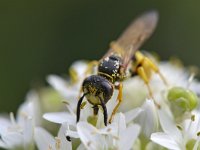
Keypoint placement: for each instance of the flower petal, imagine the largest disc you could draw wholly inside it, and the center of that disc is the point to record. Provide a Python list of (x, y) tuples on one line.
[(12, 139), (165, 140), (64, 144), (30, 108), (43, 139), (169, 127), (128, 137), (62, 87), (4, 123), (80, 68), (191, 128), (111, 129), (60, 118), (132, 114), (120, 120), (28, 133), (89, 137), (72, 134), (3, 145), (148, 118)]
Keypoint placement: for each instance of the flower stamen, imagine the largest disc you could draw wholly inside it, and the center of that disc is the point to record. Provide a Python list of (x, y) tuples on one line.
[(12, 118), (58, 141), (89, 143), (196, 146), (179, 127), (50, 147)]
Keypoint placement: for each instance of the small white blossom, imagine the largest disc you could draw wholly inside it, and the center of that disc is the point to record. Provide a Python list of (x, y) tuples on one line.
[(140, 124), (115, 136), (18, 133), (178, 138), (136, 106), (146, 116), (45, 141)]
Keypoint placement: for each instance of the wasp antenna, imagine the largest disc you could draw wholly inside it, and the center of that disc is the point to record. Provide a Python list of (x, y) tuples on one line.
[(105, 114), (78, 111)]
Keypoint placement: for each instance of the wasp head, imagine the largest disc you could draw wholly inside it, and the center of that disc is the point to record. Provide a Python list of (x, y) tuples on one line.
[(98, 90)]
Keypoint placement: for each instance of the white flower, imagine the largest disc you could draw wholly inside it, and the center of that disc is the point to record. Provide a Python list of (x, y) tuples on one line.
[(178, 139), (135, 91), (135, 105), (45, 141), (18, 133), (176, 76), (114, 136), (146, 116), (65, 87), (30, 108)]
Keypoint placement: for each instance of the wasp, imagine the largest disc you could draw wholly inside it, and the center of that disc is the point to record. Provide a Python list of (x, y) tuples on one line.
[(122, 60)]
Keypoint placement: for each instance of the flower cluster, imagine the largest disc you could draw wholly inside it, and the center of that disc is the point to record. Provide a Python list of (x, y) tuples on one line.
[(47, 119)]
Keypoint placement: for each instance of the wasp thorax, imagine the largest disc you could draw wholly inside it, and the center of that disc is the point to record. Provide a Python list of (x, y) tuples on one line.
[(97, 87), (109, 67)]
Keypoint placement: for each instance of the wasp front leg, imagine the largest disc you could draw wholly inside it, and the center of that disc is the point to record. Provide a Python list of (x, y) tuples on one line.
[(155, 69), (141, 72), (148, 66), (119, 99)]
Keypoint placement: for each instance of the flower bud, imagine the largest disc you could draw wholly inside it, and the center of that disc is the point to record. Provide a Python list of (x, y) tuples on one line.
[(184, 98)]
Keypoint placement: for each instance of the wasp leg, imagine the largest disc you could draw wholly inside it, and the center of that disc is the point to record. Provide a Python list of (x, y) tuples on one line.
[(162, 78), (141, 72), (78, 111), (148, 65), (119, 98), (155, 69), (105, 113)]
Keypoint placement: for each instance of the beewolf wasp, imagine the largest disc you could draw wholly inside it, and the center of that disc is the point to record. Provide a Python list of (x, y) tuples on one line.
[(120, 62)]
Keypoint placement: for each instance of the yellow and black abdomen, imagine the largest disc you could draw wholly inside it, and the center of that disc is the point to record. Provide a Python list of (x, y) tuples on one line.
[(97, 87)]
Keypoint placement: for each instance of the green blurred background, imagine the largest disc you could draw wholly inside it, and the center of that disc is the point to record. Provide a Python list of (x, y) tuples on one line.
[(41, 37)]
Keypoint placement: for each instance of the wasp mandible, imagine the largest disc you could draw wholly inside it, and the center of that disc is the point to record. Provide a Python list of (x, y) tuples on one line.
[(117, 65)]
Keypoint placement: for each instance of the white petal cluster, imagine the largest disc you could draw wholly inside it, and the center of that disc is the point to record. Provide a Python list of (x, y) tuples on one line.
[(17, 132), (46, 141), (114, 136), (139, 123), (136, 107)]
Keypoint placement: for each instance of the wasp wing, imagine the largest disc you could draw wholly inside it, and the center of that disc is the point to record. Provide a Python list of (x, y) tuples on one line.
[(138, 31), (134, 36)]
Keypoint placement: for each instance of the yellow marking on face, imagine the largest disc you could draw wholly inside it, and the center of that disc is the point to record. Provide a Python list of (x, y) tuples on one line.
[(92, 89)]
